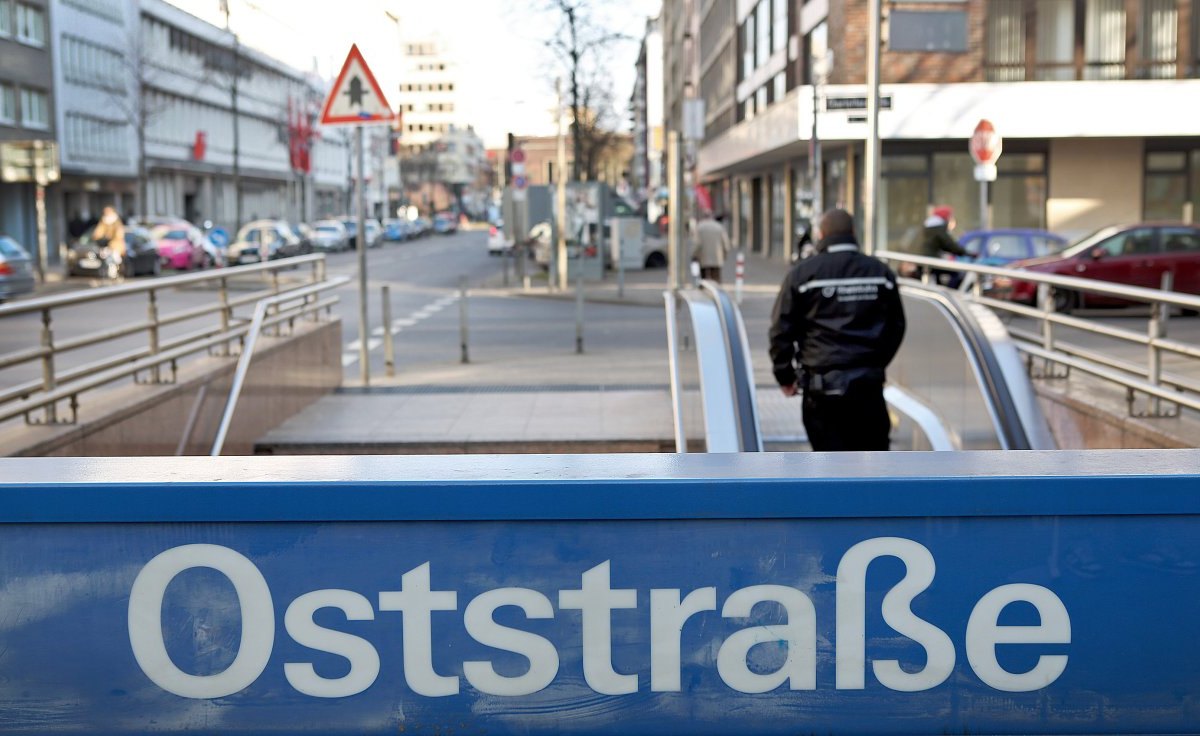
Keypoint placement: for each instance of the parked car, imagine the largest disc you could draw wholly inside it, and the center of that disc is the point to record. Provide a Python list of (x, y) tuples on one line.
[(395, 230), (264, 240), (1003, 246), (498, 243), (420, 227), (1135, 255), (306, 235), (374, 232), (445, 223), (16, 269), (330, 236), (180, 246), (88, 258)]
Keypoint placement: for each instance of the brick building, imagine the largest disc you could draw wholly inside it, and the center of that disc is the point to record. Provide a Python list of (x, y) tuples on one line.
[(1096, 101)]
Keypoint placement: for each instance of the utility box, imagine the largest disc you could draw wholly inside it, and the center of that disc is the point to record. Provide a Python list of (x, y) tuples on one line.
[(628, 243)]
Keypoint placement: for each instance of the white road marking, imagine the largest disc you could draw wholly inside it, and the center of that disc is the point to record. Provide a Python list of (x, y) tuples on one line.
[(350, 352)]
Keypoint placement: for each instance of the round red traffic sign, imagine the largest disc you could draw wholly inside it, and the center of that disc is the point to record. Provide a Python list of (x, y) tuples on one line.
[(986, 144), (517, 156)]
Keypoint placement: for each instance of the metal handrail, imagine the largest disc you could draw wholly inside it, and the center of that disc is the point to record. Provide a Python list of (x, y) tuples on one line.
[(1073, 283), (1122, 373), (101, 378), (39, 304), (50, 348), (254, 330)]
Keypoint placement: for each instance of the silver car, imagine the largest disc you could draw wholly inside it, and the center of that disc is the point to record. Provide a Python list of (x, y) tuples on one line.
[(16, 269)]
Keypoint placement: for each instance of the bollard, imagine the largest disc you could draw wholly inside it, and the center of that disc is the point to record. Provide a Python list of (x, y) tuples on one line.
[(579, 313), (739, 276), (462, 317), (389, 347)]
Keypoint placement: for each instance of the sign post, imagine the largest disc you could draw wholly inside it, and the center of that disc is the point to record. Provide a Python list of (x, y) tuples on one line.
[(520, 194), (986, 145), (356, 99)]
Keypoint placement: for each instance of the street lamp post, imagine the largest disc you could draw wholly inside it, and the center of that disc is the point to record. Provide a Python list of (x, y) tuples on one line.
[(870, 193)]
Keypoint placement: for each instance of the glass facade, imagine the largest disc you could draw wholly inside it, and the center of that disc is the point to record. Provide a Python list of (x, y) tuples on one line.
[(1172, 185), (779, 240)]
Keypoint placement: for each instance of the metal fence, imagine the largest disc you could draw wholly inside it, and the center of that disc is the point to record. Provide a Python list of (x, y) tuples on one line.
[(1045, 348), (156, 361)]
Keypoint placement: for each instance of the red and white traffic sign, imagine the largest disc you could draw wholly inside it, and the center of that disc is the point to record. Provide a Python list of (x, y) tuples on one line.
[(985, 146), (356, 98)]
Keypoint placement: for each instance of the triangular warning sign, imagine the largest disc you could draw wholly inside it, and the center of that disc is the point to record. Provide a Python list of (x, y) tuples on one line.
[(356, 97)]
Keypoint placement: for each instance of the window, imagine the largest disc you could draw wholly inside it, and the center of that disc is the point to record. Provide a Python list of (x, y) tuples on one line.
[(31, 25), (920, 30), (1180, 240), (1104, 40), (1044, 245), (1055, 39), (1005, 60), (748, 48), (762, 23), (5, 17), (1008, 247), (816, 53), (1019, 192), (1158, 35), (779, 25), (8, 105), (34, 110), (1166, 185)]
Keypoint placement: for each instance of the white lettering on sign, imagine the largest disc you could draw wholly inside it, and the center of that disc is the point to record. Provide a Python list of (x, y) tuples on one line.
[(597, 602)]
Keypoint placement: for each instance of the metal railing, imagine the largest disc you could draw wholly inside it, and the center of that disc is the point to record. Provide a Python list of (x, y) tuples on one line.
[(38, 400), (1058, 356), (257, 323)]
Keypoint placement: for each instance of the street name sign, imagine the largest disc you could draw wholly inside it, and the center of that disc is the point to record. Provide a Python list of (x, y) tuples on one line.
[(356, 98), (872, 593)]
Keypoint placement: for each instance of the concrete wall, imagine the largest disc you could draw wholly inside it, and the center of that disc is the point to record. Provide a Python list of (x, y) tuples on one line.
[(1093, 183), (138, 420), (1086, 413)]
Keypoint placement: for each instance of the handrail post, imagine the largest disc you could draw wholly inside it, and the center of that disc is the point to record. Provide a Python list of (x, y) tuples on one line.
[(1157, 329), (1046, 304), (389, 346), (152, 315), (49, 380), (226, 312)]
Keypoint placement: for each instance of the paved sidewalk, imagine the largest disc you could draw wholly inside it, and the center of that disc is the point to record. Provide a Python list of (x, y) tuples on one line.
[(540, 401)]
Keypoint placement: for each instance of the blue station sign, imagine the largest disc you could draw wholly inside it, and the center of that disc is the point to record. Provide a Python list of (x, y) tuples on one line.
[(906, 594)]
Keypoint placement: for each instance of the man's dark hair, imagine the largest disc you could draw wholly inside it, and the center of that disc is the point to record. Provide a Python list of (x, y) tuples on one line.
[(836, 223)]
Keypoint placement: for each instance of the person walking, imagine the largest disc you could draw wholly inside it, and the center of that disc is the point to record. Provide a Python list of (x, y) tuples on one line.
[(712, 245), (109, 234), (937, 241), (837, 324)]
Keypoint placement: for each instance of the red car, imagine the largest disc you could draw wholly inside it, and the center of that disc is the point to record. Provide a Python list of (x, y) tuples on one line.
[(1134, 255), (180, 246)]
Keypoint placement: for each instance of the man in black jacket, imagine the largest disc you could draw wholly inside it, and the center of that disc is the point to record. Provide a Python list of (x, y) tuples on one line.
[(838, 316)]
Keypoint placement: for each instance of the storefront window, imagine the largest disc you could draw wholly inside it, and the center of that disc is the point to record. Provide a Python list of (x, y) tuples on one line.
[(954, 185), (903, 199), (1194, 214), (743, 223), (835, 184), (779, 241), (1166, 185), (1019, 193)]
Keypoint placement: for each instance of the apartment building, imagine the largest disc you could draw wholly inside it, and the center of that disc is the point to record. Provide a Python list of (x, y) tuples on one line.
[(197, 81), (1095, 100), (96, 104), (26, 110)]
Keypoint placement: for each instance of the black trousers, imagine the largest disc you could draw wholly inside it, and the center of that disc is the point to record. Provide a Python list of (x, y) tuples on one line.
[(855, 420), (712, 273)]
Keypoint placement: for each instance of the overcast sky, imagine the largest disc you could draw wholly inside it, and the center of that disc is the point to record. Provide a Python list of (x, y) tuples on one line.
[(506, 75)]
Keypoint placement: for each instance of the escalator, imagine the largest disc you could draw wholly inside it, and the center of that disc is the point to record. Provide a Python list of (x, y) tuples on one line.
[(958, 382)]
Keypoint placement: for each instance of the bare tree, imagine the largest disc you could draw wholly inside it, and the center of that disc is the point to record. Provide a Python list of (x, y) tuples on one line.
[(580, 37)]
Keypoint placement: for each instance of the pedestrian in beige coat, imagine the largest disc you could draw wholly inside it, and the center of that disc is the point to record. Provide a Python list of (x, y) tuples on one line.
[(712, 245)]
